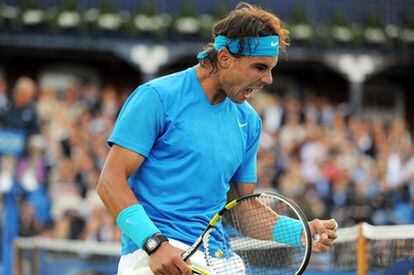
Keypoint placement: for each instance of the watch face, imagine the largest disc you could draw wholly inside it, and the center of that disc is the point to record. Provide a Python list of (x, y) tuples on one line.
[(151, 244)]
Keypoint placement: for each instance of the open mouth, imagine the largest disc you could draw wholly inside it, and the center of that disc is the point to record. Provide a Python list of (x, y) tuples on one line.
[(248, 92)]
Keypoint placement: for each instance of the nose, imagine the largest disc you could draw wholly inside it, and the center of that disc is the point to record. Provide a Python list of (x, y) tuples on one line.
[(267, 79)]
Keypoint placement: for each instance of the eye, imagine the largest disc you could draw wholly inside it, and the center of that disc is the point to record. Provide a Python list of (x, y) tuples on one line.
[(260, 67)]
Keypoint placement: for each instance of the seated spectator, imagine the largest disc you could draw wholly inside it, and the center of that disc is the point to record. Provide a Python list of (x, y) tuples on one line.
[(21, 112)]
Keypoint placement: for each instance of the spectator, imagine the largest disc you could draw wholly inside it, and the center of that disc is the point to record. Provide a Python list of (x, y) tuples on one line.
[(48, 105), (272, 117), (65, 191), (31, 169), (292, 133), (29, 224), (21, 112), (109, 101)]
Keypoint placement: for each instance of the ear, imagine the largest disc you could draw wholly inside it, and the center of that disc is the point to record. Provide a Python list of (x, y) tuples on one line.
[(224, 58)]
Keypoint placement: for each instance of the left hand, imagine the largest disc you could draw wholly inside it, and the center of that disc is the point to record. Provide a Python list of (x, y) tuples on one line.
[(327, 234)]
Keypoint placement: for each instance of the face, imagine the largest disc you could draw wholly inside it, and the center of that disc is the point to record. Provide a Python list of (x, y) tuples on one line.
[(240, 77)]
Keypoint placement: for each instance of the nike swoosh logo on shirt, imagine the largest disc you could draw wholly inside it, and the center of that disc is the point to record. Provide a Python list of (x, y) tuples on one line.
[(242, 125), (273, 44)]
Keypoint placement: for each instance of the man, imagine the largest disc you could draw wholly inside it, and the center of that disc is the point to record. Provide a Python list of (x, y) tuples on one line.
[(21, 112), (179, 140)]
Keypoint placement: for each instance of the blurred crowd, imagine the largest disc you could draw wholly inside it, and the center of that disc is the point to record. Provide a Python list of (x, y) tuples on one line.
[(333, 163), (336, 164), (65, 150)]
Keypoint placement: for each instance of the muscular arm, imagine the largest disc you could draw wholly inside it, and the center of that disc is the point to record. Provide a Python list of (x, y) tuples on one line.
[(116, 194), (244, 189), (325, 228), (267, 217), (113, 185)]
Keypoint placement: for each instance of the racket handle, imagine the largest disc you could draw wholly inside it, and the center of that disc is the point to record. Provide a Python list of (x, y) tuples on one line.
[(199, 270)]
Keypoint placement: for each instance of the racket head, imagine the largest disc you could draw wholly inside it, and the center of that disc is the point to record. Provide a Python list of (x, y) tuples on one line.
[(241, 238)]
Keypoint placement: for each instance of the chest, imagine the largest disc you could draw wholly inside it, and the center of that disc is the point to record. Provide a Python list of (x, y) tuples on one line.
[(205, 136)]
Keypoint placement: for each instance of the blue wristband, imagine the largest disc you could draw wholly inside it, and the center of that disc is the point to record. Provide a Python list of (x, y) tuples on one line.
[(288, 231), (135, 222)]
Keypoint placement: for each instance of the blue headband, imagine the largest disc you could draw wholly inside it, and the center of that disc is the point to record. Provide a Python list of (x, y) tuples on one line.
[(258, 46)]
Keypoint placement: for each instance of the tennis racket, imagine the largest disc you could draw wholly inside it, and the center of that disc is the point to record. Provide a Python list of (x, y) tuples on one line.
[(255, 234)]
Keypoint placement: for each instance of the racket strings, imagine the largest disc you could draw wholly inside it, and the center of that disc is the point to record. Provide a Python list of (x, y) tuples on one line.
[(255, 220), (249, 226)]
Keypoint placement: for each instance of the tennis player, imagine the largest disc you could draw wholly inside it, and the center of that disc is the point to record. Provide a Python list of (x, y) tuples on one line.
[(181, 139)]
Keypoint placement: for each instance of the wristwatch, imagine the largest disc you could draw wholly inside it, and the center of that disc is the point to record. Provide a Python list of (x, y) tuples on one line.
[(152, 243)]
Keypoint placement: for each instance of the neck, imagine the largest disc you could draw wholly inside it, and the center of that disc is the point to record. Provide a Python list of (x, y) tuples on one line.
[(210, 84)]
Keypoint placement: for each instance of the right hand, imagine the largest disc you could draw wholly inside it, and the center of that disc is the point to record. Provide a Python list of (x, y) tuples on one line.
[(167, 260)]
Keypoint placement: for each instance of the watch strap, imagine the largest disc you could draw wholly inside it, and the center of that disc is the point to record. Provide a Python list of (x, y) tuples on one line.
[(156, 239)]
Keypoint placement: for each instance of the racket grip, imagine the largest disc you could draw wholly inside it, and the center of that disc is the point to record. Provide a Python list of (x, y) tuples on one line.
[(199, 270)]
